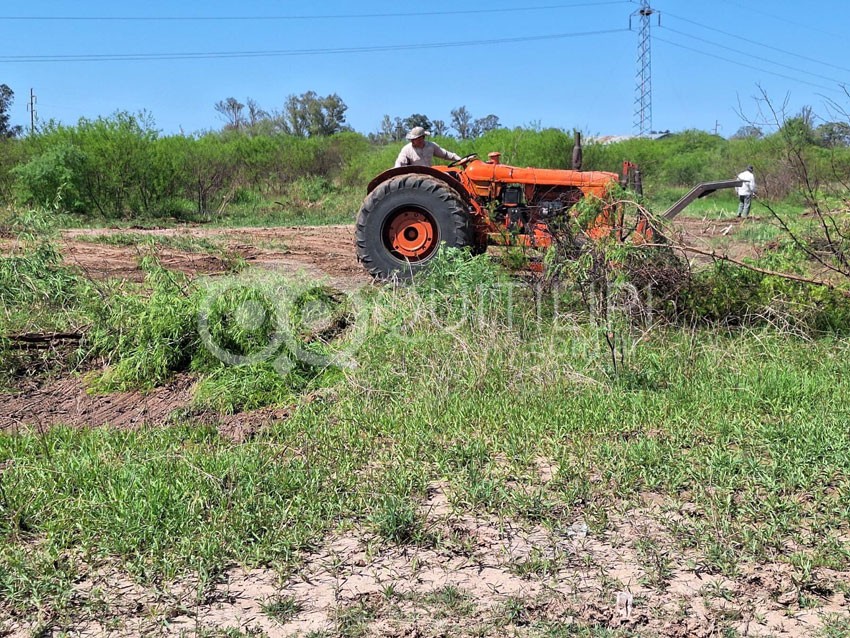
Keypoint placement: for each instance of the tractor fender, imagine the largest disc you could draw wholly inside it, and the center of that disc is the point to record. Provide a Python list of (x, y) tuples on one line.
[(443, 176)]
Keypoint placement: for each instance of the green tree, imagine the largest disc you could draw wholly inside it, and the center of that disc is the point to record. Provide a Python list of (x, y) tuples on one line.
[(310, 115), (462, 122), (392, 130), (748, 132), (7, 97), (800, 129), (417, 119), (832, 134), (231, 110), (255, 113), (484, 124), (212, 167)]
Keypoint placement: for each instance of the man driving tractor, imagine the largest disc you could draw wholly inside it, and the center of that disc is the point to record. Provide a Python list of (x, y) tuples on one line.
[(421, 152)]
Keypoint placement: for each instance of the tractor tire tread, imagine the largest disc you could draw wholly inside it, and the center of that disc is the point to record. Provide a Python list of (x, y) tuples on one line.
[(443, 195)]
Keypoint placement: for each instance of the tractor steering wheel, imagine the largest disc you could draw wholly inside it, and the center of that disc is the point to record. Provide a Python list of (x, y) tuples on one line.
[(463, 161)]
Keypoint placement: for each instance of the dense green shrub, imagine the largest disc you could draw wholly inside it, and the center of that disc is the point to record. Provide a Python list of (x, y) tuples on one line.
[(11, 155), (122, 165), (52, 176), (731, 295), (549, 148), (107, 164)]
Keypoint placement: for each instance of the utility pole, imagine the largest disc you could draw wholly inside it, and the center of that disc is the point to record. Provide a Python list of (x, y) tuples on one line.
[(716, 126), (643, 90), (31, 109)]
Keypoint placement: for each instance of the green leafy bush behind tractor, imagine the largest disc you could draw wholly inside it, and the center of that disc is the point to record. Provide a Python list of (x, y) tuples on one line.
[(121, 166)]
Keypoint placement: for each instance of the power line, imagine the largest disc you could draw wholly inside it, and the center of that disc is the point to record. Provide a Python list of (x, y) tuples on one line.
[(338, 16), (744, 64), (750, 55), (766, 46), (109, 57), (796, 23)]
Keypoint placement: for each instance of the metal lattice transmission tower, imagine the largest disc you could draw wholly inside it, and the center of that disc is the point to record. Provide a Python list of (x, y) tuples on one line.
[(643, 90)]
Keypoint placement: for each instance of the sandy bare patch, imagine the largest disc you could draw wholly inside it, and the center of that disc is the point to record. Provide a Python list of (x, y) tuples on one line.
[(479, 575)]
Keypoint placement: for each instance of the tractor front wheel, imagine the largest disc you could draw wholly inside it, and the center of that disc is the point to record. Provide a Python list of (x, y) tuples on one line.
[(403, 222)]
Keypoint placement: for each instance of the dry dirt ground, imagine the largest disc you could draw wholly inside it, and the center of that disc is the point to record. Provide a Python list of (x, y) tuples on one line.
[(322, 251), (710, 233), (475, 576), (478, 576), (67, 401)]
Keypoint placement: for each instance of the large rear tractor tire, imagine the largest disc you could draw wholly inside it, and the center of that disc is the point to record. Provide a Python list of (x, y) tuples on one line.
[(404, 221)]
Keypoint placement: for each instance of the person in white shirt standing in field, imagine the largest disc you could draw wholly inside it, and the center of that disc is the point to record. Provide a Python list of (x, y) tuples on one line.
[(746, 191), (420, 152)]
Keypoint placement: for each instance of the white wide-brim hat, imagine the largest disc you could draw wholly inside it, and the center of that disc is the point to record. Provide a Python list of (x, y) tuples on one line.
[(416, 132)]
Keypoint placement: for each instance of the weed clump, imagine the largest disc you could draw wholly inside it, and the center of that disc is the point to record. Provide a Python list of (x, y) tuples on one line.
[(730, 295), (254, 340), (144, 339), (633, 284), (397, 520)]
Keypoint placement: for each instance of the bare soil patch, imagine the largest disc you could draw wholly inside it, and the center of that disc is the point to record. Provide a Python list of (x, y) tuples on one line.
[(321, 251), (479, 576), (66, 401), (719, 234)]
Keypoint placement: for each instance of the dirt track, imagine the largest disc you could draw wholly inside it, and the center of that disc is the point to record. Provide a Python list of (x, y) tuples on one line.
[(322, 251)]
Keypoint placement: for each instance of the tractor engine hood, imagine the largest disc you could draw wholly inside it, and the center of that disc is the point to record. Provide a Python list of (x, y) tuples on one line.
[(479, 171)]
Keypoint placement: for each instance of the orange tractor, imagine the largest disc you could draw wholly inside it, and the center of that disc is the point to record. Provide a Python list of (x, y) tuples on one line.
[(410, 211)]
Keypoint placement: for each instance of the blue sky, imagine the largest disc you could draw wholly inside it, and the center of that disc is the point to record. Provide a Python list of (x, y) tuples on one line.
[(549, 63)]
